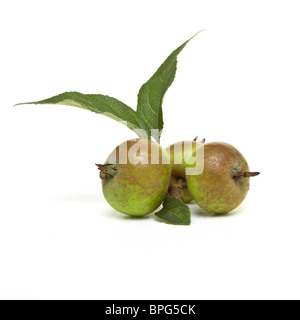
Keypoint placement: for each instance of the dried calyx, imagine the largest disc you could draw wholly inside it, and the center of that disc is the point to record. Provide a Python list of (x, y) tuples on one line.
[(107, 170), (176, 188)]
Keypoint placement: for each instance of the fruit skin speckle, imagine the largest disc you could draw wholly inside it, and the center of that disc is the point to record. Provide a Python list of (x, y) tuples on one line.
[(137, 189), (222, 186)]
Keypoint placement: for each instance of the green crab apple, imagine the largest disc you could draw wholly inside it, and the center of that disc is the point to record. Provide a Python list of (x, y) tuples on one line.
[(136, 177), (224, 182), (179, 153)]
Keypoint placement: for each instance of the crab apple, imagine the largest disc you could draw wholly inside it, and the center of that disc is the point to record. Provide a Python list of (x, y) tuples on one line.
[(224, 182), (136, 177), (179, 153)]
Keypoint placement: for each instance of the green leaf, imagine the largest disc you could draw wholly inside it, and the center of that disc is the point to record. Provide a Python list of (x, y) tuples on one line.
[(105, 105), (174, 211), (151, 94)]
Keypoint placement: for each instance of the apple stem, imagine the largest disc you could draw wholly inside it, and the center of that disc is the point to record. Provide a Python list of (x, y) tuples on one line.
[(251, 174), (246, 174)]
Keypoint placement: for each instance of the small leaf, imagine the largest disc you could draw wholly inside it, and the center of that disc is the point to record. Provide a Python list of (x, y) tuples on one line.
[(174, 211), (151, 94), (105, 105)]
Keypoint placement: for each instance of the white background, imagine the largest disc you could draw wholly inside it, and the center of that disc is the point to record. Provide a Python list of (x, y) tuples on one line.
[(237, 82)]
